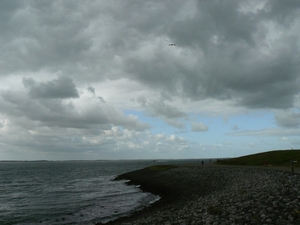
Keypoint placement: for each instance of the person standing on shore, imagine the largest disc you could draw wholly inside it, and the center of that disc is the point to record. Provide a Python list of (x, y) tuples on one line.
[(202, 163)]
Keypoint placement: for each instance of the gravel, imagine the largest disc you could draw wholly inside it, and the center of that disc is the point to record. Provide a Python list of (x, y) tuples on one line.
[(218, 196)]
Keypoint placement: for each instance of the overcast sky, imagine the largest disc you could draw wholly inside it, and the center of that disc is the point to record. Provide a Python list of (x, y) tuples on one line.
[(98, 79)]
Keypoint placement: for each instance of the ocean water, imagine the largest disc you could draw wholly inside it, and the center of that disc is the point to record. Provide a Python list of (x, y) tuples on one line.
[(70, 192)]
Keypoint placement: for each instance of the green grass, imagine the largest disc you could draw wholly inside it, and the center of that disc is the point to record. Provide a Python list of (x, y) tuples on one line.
[(273, 158)]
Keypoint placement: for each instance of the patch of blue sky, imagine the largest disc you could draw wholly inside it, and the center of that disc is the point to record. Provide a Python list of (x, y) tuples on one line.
[(219, 131), (252, 121)]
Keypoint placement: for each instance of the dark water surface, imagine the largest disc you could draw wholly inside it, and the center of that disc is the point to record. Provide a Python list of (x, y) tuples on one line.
[(69, 192)]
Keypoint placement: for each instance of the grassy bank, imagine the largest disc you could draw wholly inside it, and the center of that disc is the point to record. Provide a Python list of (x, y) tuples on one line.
[(271, 158)]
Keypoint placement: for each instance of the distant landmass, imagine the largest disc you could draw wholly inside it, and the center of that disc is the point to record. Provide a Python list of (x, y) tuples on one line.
[(270, 158), (25, 161)]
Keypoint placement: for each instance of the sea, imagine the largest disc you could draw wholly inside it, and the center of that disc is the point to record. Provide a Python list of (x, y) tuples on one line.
[(70, 192)]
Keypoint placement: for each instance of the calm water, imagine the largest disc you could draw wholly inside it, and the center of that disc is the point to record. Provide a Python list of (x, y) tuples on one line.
[(71, 192)]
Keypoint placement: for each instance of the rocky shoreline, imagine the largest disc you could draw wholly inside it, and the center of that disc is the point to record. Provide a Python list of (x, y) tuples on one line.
[(218, 196)]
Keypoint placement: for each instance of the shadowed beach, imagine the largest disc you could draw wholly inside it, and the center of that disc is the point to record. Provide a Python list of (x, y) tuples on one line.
[(192, 194)]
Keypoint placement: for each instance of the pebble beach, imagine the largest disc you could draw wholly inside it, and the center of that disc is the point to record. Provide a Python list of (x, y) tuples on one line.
[(217, 195)]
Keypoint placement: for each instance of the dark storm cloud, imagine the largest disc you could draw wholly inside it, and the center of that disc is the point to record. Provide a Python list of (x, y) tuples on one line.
[(237, 57), (283, 11), (288, 119), (236, 54), (226, 50), (63, 87), (215, 18), (43, 35), (91, 89), (7, 9)]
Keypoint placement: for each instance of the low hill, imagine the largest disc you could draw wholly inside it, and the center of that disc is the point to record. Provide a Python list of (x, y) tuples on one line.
[(271, 158)]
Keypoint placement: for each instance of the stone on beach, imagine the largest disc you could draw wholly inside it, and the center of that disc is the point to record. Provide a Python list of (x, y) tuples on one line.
[(218, 195)]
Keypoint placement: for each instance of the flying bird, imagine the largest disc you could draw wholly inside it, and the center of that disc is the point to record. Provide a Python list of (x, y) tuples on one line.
[(172, 44)]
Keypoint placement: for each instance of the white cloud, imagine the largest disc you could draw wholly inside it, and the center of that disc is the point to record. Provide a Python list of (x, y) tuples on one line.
[(86, 112), (235, 128), (199, 127), (268, 132)]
